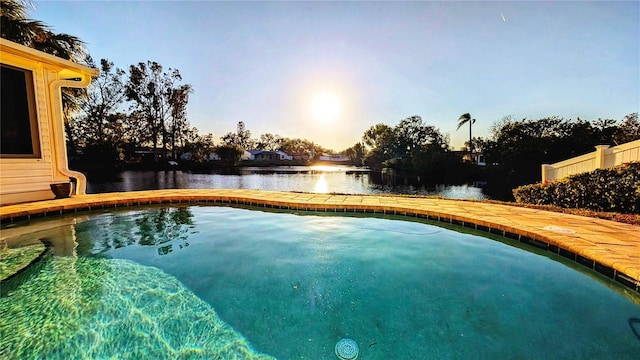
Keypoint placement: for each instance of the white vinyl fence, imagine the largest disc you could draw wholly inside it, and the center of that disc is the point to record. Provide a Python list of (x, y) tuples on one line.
[(604, 157)]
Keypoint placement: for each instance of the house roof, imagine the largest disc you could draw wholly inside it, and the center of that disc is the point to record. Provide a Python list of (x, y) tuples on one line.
[(66, 68)]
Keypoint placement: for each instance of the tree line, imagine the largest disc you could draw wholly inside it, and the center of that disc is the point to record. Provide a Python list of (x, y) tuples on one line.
[(146, 107), (122, 112), (419, 153), (233, 144), (513, 152)]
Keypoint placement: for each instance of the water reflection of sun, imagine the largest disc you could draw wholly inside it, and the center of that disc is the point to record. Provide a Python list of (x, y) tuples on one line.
[(321, 185), (324, 168)]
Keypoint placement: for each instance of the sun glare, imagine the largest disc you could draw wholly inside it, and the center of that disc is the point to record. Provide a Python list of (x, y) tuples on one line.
[(321, 186), (325, 107)]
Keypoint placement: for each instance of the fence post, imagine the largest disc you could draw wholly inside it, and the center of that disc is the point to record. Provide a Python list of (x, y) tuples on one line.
[(600, 156), (544, 172)]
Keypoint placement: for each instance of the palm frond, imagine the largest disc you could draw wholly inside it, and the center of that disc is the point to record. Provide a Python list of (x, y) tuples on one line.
[(14, 9), (463, 119), (16, 27)]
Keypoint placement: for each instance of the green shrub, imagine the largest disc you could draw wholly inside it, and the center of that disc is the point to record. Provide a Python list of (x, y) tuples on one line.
[(612, 190)]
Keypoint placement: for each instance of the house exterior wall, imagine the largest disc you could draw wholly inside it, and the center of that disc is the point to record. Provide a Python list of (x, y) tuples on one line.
[(19, 177), (475, 158), (260, 155), (604, 157), (300, 156), (246, 155), (284, 156), (24, 179), (334, 157)]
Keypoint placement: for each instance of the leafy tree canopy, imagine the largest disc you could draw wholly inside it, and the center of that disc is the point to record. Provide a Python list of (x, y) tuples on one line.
[(16, 27)]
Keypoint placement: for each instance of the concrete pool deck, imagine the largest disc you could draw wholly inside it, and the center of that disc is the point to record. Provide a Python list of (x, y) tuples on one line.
[(608, 247)]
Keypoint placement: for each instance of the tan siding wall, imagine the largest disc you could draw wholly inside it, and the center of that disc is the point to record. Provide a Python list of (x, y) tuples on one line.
[(34, 177), (31, 195), (20, 169), (24, 179), (29, 179)]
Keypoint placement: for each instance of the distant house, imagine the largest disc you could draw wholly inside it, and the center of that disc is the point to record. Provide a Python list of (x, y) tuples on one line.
[(334, 157), (214, 156), (262, 155), (300, 156), (246, 155), (253, 153), (475, 158), (144, 154), (284, 155), (33, 153)]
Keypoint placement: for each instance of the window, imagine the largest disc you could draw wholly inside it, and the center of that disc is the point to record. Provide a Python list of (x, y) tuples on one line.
[(18, 121)]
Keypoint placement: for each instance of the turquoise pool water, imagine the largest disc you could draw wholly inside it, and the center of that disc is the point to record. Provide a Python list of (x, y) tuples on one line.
[(228, 283)]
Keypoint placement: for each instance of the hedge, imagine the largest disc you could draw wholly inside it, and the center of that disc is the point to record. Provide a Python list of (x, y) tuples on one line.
[(611, 190)]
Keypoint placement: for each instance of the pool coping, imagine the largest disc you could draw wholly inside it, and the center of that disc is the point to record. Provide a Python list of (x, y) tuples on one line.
[(607, 247)]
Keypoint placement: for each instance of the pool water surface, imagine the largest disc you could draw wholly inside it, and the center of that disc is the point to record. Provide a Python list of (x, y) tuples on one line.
[(232, 283)]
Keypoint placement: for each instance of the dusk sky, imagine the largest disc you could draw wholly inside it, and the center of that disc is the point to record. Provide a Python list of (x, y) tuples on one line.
[(269, 63)]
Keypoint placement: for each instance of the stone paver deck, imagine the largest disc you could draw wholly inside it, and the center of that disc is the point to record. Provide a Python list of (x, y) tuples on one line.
[(608, 247)]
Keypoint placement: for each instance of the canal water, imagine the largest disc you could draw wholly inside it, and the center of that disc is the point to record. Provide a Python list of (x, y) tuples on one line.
[(315, 179)]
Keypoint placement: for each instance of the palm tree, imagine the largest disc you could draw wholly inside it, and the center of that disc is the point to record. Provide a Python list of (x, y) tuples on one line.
[(16, 27), (463, 119)]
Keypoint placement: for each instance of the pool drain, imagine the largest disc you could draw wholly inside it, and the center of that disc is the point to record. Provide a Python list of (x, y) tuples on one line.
[(347, 349)]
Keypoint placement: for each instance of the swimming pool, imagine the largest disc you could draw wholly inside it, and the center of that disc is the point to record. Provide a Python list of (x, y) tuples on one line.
[(208, 281)]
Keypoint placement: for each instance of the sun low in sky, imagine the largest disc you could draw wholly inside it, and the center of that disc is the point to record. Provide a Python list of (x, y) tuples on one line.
[(326, 107)]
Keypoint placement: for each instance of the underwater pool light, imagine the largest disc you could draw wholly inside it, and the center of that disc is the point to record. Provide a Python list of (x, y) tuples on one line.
[(347, 349)]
